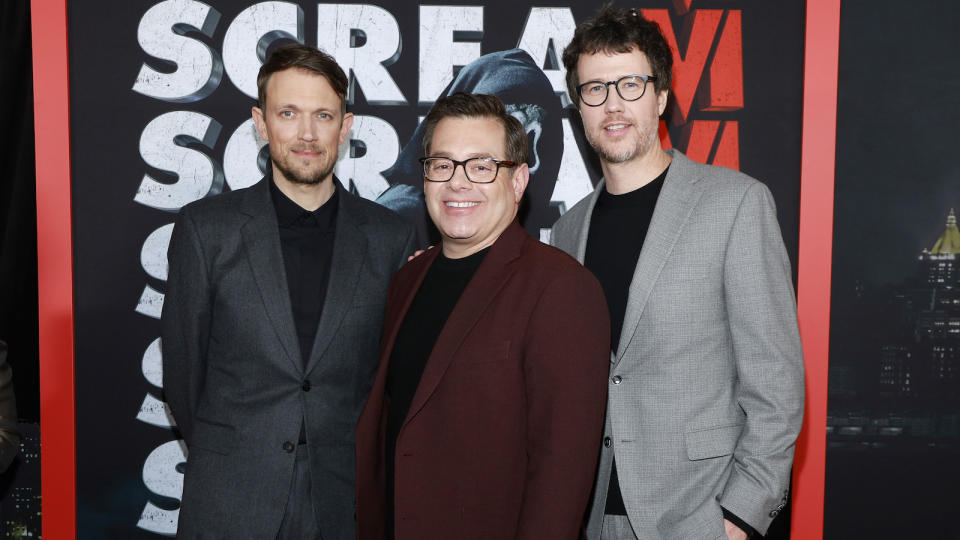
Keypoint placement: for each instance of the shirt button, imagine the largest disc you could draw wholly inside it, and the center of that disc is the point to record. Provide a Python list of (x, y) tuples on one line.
[(617, 379), (305, 386), (288, 447), (607, 441)]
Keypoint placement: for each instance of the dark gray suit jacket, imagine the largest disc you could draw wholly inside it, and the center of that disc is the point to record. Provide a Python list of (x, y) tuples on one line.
[(232, 367)]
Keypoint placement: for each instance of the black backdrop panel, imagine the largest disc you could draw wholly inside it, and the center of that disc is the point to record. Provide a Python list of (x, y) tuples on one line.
[(159, 117), (894, 388)]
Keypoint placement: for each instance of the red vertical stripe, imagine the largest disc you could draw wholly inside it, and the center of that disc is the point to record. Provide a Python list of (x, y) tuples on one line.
[(816, 243), (55, 268)]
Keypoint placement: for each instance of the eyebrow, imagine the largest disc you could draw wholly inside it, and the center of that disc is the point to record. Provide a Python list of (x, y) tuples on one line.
[(444, 153)]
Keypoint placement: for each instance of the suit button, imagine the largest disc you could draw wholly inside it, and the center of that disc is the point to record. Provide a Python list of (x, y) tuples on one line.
[(773, 513), (607, 441), (288, 447), (305, 386), (617, 379)]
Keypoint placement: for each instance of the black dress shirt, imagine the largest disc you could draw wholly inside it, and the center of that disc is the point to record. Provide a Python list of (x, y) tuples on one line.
[(306, 240)]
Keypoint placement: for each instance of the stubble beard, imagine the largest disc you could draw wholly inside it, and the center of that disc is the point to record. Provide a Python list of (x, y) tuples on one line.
[(308, 178), (617, 153)]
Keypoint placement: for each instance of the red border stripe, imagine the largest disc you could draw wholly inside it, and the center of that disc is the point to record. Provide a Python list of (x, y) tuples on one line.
[(55, 268), (818, 160)]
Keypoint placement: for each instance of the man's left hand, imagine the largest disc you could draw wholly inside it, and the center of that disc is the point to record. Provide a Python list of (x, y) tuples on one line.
[(733, 532)]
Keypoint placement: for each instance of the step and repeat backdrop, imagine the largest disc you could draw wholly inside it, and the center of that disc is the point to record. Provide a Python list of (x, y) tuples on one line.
[(160, 99)]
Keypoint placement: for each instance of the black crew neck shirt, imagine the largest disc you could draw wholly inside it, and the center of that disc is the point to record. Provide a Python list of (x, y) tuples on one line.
[(431, 307), (618, 227)]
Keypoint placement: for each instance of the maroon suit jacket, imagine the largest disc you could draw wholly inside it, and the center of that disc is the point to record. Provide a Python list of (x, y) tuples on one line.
[(503, 435)]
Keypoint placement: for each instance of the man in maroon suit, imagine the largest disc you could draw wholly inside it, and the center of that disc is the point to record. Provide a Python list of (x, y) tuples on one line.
[(489, 398)]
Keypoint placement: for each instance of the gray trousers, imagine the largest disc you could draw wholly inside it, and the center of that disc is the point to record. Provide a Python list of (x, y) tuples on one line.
[(299, 519), (616, 528)]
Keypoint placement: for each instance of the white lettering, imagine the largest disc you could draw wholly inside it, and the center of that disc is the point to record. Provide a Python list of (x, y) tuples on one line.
[(244, 160), (150, 302), (163, 145), (249, 37), (153, 255), (161, 476), (372, 148), (573, 180), (441, 53), (364, 39), (161, 34), (545, 34)]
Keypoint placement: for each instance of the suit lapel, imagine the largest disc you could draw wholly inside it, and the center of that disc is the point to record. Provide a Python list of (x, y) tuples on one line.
[(581, 252), (261, 238), (679, 196), (349, 253), (491, 276)]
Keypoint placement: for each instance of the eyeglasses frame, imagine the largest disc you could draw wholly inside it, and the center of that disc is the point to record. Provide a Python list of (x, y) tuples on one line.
[(616, 86), (498, 162)]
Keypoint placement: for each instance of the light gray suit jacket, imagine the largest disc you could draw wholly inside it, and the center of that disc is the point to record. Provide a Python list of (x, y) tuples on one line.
[(706, 390), (233, 372)]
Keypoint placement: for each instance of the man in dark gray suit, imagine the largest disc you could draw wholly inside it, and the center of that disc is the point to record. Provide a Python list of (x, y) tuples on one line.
[(272, 319), (705, 394)]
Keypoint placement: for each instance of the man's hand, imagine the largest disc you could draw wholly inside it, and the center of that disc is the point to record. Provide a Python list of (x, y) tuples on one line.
[(417, 253), (733, 532)]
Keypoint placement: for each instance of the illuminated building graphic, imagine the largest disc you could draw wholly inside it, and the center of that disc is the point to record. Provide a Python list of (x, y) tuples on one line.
[(20, 508), (910, 391)]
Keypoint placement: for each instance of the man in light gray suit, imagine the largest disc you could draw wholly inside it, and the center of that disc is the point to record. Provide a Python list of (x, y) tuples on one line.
[(706, 376), (271, 322)]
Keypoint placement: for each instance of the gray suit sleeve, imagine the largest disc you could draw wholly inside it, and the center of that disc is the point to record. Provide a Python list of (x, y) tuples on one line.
[(185, 323), (762, 316), (9, 435)]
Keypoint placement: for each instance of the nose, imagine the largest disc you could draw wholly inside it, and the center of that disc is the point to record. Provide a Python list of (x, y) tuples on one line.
[(308, 130), (459, 179), (614, 102)]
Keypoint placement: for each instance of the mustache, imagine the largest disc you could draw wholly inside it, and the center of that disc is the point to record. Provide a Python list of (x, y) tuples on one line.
[(307, 148)]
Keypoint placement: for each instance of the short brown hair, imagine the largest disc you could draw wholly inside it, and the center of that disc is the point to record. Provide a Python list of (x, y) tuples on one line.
[(463, 105), (304, 57), (619, 30)]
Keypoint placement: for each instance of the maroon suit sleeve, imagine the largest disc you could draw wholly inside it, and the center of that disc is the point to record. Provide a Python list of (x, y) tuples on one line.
[(566, 364)]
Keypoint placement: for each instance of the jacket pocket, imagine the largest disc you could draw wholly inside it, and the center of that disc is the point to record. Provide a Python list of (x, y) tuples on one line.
[(213, 436), (712, 442)]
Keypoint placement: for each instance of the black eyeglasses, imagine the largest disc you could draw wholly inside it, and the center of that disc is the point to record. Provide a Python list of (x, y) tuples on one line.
[(478, 170), (629, 87)]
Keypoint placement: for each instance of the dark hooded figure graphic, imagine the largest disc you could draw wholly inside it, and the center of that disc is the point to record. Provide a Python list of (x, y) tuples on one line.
[(524, 88)]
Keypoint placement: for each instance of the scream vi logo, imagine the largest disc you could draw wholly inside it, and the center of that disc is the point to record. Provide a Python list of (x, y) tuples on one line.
[(182, 68)]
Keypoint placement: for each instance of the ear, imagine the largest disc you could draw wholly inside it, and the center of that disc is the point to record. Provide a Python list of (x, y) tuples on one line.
[(662, 100), (345, 126), (261, 122), (521, 177)]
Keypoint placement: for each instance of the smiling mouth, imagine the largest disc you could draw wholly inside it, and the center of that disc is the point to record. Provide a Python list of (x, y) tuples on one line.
[(455, 204), (616, 127)]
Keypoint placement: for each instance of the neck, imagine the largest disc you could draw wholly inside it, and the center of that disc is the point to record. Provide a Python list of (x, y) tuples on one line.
[(454, 251), (307, 196), (630, 175)]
